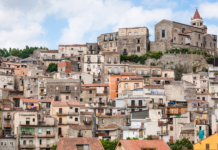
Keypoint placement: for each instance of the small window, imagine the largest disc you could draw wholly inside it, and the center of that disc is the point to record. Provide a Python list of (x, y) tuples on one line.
[(171, 128), (67, 97), (124, 41), (71, 117), (76, 109), (40, 142), (130, 33), (111, 44), (33, 119), (163, 33), (142, 32), (135, 33), (105, 45), (1, 143), (81, 99), (24, 142), (90, 99), (39, 130), (122, 33), (138, 48), (71, 107), (102, 120), (76, 119), (90, 91)]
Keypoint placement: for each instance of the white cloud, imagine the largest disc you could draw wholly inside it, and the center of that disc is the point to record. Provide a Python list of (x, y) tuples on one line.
[(209, 10)]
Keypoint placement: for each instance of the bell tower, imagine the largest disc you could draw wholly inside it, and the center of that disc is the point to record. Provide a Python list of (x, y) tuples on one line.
[(197, 21)]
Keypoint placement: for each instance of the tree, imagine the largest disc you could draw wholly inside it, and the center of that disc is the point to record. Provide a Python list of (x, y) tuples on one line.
[(52, 67), (149, 138), (194, 68), (109, 145), (54, 147), (183, 144)]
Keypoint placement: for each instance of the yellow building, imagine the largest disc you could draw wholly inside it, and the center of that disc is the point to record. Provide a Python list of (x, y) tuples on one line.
[(209, 143), (168, 73), (128, 84)]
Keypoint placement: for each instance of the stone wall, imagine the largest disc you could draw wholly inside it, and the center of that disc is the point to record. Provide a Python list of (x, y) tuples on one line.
[(185, 62)]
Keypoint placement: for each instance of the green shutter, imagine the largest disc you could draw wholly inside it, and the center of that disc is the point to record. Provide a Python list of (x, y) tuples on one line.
[(47, 129)]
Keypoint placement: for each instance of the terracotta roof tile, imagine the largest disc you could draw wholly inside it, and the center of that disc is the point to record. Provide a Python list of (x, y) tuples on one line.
[(18, 109), (138, 144), (115, 116), (45, 100), (195, 100), (96, 85), (187, 131), (205, 93), (196, 15), (161, 78), (154, 86), (127, 74), (29, 100), (49, 51), (18, 96), (80, 127), (5, 89), (66, 103), (74, 45), (111, 126), (183, 34), (70, 143)]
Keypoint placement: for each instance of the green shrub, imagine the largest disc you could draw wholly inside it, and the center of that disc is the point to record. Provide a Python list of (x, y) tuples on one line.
[(194, 68), (209, 59), (109, 145)]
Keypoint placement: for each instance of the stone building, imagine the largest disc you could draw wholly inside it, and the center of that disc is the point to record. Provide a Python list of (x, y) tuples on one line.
[(30, 86), (63, 89), (72, 50), (79, 131), (92, 48), (126, 41), (85, 78), (46, 56), (13, 59), (170, 34), (7, 81)]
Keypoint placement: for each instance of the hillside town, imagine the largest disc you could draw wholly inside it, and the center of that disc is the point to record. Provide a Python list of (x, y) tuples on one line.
[(99, 92)]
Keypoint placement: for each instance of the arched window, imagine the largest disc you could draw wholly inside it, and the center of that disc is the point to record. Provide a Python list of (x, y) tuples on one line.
[(183, 30)]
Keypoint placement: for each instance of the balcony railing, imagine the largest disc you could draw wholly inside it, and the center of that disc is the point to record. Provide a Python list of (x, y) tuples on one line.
[(7, 117), (46, 145), (27, 134), (138, 105), (65, 91), (165, 132), (7, 125), (68, 114), (99, 62), (88, 61), (161, 123), (125, 53), (46, 136), (27, 146), (87, 122), (88, 69), (108, 62), (41, 93), (80, 134)]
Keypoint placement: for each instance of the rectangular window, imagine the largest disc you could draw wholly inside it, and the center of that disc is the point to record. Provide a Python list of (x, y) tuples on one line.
[(111, 37), (122, 33), (171, 128), (67, 97), (105, 37), (163, 33), (76, 109), (27, 120), (90, 99), (122, 69), (67, 88), (105, 45), (136, 85), (126, 85), (90, 91), (53, 56), (135, 33), (124, 41), (40, 142), (76, 119), (130, 33), (116, 43), (138, 48), (33, 119), (48, 131), (111, 44), (142, 32), (102, 121), (39, 130), (116, 36), (196, 43)]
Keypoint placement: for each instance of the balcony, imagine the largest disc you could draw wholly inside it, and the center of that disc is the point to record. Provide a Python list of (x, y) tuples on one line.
[(88, 61), (109, 114), (115, 62), (80, 134), (166, 132), (128, 123), (138, 106), (42, 85), (26, 124), (65, 91), (30, 107), (27, 135), (99, 62), (101, 102), (45, 146), (105, 91), (27, 146), (88, 69), (7, 117), (161, 123), (7, 126), (46, 136), (41, 93), (108, 62), (72, 123), (87, 122), (68, 114)]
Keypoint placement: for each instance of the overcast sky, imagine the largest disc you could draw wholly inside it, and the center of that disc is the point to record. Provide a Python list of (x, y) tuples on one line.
[(53, 22)]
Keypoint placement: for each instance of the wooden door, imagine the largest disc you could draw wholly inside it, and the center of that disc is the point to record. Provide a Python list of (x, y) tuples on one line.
[(8, 123), (161, 130), (141, 134), (60, 120), (179, 110), (59, 131), (171, 139)]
